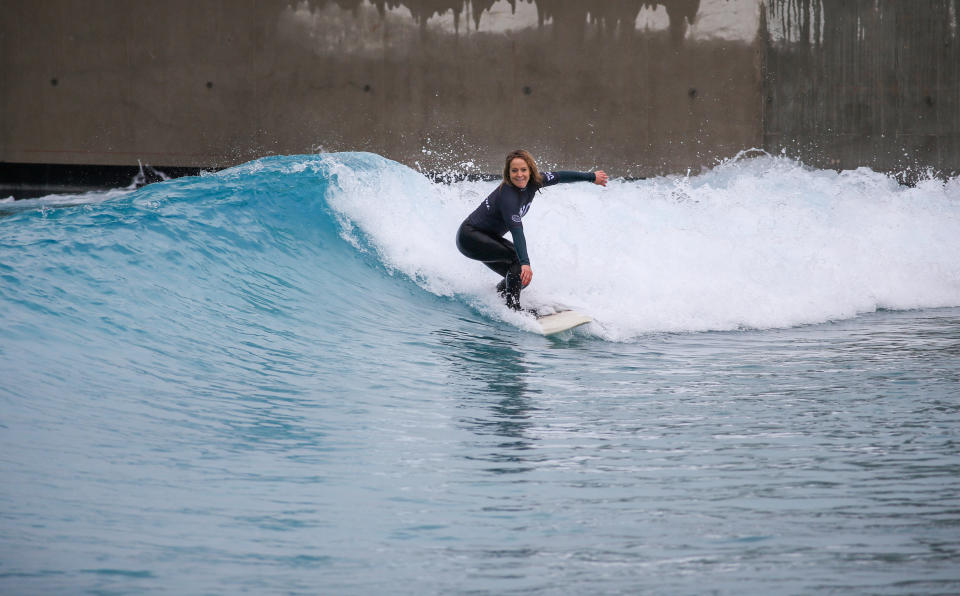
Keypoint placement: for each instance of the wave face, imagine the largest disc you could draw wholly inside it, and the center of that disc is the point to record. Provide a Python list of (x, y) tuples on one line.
[(322, 239)]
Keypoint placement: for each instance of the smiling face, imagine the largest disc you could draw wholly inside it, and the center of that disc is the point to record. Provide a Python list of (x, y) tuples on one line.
[(519, 172)]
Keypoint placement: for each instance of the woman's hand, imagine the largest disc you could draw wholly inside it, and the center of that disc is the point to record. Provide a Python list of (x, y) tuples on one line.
[(526, 275), (601, 178)]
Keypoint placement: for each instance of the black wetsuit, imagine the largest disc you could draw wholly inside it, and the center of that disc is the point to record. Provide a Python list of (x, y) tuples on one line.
[(480, 236)]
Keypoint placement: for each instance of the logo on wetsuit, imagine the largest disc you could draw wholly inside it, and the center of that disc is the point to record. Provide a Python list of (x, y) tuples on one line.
[(523, 211)]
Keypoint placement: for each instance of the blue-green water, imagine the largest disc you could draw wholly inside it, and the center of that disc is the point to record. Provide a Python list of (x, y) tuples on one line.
[(282, 378)]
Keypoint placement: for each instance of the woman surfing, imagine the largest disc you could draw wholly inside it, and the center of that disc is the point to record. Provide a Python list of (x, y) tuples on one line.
[(480, 236)]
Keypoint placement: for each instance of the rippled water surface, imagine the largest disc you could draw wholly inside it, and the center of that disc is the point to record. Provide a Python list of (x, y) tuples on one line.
[(225, 384)]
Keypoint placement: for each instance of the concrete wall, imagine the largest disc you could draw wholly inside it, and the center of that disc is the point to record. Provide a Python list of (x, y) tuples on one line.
[(874, 83), (639, 87)]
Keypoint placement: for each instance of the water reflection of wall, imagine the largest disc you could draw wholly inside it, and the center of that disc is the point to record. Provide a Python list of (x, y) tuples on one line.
[(864, 82)]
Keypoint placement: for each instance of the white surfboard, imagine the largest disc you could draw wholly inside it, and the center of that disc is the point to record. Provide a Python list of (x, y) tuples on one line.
[(561, 321)]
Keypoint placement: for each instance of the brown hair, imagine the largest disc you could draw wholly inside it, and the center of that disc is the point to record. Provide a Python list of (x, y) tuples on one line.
[(535, 176)]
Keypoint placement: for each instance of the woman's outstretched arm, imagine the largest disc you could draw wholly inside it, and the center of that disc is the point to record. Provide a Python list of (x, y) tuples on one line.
[(562, 177)]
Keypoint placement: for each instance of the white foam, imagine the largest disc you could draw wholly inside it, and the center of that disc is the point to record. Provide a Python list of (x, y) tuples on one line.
[(756, 243), (92, 197)]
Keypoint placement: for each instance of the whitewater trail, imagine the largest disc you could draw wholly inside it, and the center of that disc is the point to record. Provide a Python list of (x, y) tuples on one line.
[(757, 243)]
